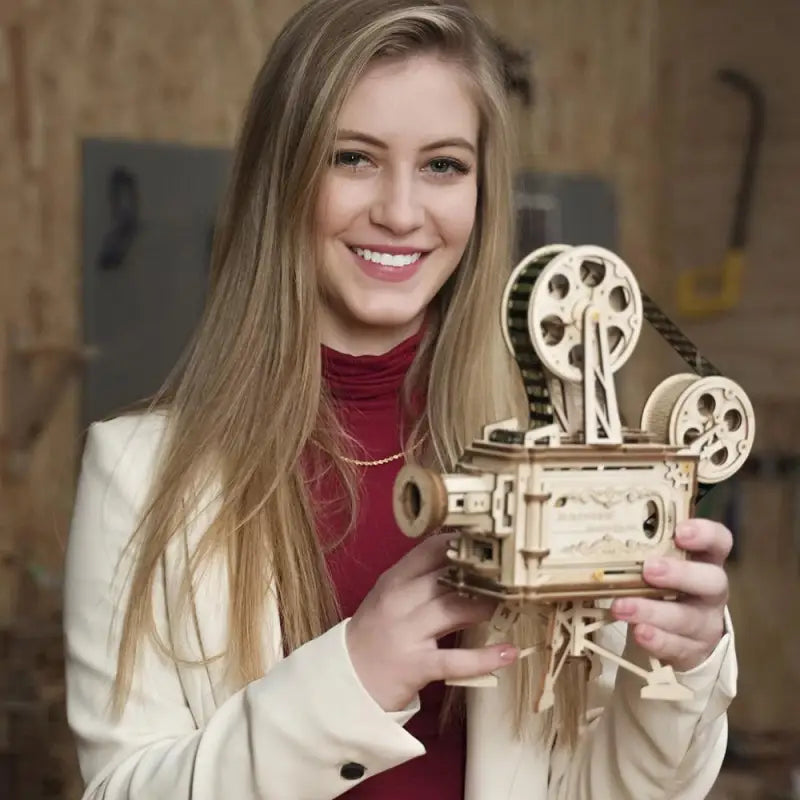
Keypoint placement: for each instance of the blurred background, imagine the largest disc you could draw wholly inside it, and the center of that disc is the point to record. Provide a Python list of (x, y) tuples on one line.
[(667, 130)]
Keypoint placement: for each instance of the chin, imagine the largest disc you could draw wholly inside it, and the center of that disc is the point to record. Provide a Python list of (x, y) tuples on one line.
[(389, 315), (391, 319)]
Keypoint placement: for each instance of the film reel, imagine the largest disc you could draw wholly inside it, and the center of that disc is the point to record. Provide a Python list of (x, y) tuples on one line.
[(571, 281), (710, 415)]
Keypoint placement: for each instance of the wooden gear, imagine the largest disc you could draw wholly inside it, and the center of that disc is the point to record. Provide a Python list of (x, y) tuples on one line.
[(559, 517)]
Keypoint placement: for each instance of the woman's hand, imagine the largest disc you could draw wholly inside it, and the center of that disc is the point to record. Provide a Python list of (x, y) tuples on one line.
[(392, 637), (684, 633)]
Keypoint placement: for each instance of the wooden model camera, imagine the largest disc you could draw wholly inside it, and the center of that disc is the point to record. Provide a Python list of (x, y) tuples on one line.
[(553, 518)]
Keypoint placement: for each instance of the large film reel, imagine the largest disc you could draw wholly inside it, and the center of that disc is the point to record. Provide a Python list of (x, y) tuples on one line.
[(711, 416), (573, 280)]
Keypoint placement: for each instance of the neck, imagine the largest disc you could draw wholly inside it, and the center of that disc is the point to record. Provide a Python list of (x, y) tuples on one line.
[(367, 340)]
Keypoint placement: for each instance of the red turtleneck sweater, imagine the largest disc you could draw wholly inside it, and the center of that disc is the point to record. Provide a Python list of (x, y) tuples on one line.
[(366, 390)]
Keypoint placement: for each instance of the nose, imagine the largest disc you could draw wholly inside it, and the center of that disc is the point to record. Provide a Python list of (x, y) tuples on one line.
[(398, 205)]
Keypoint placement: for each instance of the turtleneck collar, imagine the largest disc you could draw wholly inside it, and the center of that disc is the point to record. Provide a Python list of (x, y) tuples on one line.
[(369, 377)]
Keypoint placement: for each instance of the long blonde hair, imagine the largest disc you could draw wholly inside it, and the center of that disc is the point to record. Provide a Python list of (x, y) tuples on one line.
[(249, 403)]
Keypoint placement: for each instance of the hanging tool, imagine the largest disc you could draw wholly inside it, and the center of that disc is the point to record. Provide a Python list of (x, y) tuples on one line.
[(123, 197), (726, 279)]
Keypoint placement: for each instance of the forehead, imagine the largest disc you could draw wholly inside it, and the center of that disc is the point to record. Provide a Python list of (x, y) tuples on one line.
[(413, 99)]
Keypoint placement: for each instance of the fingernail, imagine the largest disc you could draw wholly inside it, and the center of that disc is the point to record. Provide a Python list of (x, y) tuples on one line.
[(645, 632), (508, 654), (685, 531), (656, 567), (623, 608)]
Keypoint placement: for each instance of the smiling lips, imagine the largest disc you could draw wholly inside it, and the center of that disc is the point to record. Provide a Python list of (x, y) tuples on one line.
[(387, 263)]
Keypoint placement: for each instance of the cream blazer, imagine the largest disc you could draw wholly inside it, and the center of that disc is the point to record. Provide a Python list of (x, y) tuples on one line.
[(307, 729)]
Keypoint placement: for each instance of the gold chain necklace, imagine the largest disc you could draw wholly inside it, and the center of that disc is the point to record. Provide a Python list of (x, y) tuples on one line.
[(378, 462), (360, 463)]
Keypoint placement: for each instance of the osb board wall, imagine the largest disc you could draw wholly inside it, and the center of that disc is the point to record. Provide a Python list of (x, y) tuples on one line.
[(758, 342)]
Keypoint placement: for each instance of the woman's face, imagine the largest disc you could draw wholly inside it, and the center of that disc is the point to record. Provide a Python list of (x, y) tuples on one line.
[(398, 203)]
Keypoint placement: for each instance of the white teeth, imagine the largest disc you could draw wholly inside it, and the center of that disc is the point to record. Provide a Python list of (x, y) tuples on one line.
[(387, 260)]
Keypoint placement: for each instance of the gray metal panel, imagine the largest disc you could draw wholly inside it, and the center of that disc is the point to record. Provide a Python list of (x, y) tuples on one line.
[(139, 310), (557, 208)]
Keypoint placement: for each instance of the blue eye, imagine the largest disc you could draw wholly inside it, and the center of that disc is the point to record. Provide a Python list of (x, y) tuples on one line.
[(446, 166)]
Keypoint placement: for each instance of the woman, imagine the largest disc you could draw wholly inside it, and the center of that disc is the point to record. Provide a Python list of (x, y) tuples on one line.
[(243, 617)]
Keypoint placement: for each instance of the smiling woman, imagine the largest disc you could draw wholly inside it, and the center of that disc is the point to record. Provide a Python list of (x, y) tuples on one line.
[(243, 616)]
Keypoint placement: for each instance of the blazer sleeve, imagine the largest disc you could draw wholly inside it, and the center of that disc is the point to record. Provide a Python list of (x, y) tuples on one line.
[(306, 730), (638, 749)]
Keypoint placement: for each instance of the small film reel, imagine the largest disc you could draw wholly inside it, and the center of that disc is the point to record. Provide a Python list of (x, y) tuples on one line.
[(575, 279), (711, 416)]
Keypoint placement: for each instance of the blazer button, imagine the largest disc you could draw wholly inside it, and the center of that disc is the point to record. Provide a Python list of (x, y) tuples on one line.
[(352, 771)]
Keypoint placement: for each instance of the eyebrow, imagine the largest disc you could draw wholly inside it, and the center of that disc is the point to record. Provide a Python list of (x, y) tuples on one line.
[(357, 136)]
